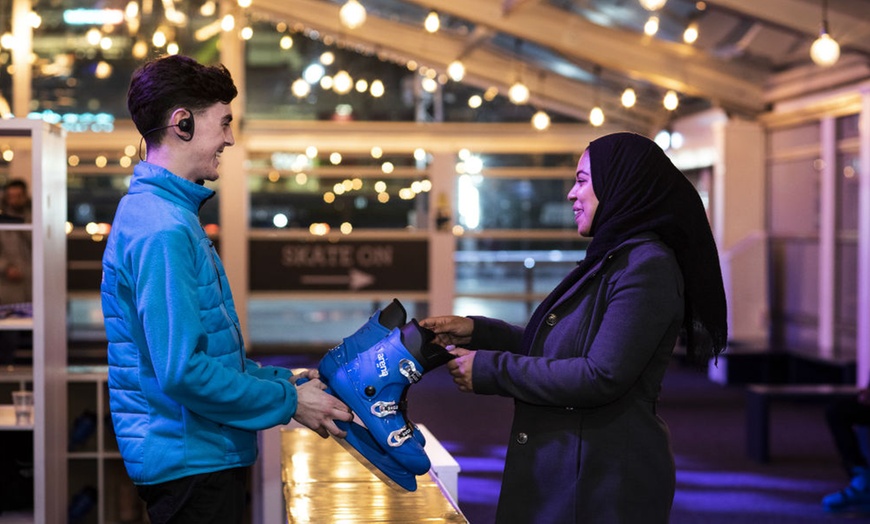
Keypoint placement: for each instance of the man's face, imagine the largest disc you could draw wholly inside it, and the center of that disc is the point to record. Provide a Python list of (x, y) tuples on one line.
[(16, 200), (211, 134)]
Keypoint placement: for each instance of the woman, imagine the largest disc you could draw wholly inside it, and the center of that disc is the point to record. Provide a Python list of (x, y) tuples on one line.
[(586, 444)]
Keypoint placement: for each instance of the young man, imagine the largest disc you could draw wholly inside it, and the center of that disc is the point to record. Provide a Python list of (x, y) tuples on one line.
[(185, 402)]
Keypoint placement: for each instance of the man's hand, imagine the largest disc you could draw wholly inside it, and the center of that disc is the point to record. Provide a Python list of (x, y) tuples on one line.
[(318, 410)]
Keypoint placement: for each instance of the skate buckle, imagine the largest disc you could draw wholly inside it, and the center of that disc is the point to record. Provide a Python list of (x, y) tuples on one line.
[(399, 436), (409, 370), (383, 408)]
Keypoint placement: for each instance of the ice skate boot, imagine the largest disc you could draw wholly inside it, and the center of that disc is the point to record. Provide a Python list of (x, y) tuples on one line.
[(379, 325), (374, 385)]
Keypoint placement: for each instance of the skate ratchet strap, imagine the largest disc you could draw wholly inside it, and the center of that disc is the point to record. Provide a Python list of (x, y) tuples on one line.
[(409, 370), (383, 408), (397, 437)]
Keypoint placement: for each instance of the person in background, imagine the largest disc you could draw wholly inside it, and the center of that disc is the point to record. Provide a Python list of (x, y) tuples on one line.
[(843, 418), (585, 373), (185, 401), (16, 277)]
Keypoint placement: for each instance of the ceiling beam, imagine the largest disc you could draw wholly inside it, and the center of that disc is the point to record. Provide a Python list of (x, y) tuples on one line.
[(508, 6), (484, 68), (668, 65), (848, 22)]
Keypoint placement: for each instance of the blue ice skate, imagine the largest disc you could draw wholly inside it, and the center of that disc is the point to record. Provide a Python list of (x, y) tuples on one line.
[(359, 442), (374, 384)]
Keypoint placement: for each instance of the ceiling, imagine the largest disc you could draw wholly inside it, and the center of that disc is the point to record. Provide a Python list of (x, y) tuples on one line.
[(575, 54)]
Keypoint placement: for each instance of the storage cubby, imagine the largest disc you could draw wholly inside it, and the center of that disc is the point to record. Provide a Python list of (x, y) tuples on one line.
[(39, 157)]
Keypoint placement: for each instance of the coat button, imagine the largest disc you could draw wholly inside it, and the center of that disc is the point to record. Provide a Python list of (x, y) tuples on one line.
[(522, 438), (551, 319)]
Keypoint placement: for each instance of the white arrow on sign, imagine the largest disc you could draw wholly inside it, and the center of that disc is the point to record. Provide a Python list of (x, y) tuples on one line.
[(355, 279)]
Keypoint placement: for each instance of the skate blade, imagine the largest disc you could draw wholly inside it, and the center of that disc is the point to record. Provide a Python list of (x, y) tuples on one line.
[(402, 480)]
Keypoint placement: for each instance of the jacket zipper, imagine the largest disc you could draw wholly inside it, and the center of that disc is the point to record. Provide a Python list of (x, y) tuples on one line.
[(236, 328)]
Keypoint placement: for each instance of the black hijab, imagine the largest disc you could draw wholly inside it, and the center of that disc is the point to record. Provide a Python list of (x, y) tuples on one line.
[(639, 189)]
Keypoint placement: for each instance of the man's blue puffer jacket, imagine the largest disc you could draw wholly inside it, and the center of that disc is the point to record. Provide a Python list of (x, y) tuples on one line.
[(184, 399)]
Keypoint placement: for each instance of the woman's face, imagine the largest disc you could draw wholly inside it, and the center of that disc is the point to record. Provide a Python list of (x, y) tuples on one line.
[(582, 197)]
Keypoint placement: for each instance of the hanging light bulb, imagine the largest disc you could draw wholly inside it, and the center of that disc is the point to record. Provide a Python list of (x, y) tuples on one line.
[(629, 97), (690, 35), (300, 88), (159, 38), (825, 51), (228, 23), (432, 22), (596, 116), (540, 120), (671, 100), (651, 26), (456, 70), (342, 83), (352, 14), (518, 93), (653, 5)]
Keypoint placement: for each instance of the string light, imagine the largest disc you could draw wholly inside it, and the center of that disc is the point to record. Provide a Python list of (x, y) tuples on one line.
[(541, 120), (456, 70), (825, 51), (300, 88), (671, 100), (651, 27), (432, 22), (518, 93), (352, 14), (690, 35), (596, 116), (629, 98), (342, 83), (653, 5)]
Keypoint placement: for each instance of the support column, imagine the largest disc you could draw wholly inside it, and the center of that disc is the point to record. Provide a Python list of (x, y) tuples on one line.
[(234, 198), (442, 243), (22, 87), (738, 204), (827, 237), (863, 337), (22, 80)]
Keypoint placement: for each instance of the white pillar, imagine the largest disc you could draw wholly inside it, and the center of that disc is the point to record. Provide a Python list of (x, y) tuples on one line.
[(22, 31), (827, 237), (234, 199), (442, 243), (738, 205), (22, 89), (863, 338)]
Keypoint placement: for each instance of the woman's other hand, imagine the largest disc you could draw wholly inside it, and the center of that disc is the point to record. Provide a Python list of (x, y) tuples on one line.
[(460, 368)]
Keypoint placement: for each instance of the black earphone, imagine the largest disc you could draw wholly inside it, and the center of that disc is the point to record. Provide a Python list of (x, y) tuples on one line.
[(185, 125)]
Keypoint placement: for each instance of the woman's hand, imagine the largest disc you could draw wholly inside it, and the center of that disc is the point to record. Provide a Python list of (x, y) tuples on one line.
[(460, 368), (450, 330)]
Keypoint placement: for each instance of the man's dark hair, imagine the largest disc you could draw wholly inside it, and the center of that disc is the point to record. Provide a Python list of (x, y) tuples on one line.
[(17, 182), (165, 84)]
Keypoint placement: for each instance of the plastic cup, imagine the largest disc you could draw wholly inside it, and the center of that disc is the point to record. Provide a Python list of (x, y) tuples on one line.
[(23, 402)]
